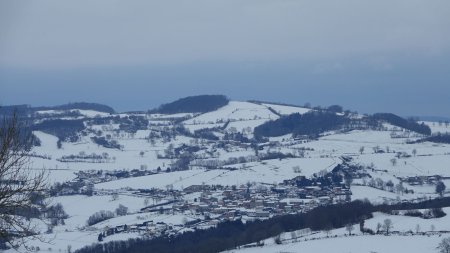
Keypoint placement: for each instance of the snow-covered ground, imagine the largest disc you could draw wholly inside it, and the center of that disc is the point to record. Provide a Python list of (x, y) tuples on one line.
[(338, 240), (265, 172), (240, 114), (355, 244), (437, 127), (80, 207), (235, 111), (138, 152)]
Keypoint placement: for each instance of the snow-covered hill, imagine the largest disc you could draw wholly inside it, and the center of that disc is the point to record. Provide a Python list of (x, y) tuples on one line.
[(159, 167)]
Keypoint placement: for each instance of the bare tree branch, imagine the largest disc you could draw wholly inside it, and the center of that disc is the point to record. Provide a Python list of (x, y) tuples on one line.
[(19, 185)]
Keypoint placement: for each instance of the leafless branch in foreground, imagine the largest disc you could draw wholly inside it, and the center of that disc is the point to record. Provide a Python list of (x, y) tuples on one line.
[(19, 185)]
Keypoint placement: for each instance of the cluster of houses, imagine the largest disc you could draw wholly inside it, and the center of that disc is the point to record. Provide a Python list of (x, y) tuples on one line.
[(261, 201), (214, 207), (100, 176), (214, 204), (148, 228)]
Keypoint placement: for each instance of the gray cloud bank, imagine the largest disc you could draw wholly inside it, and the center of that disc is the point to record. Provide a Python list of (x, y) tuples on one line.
[(356, 53), (55, 33)]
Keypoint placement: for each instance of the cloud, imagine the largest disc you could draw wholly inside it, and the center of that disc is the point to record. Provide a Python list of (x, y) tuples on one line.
[(83, 33), (385, 55)]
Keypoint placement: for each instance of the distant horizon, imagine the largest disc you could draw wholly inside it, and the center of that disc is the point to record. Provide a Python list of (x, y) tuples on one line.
[(422, 117)]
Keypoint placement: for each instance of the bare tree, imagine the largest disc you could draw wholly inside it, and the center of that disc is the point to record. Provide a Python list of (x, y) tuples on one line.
[(146, 202), (328, 230), (277, 240), (121, 210), (19, 184), (390, 185), (378, 227), (444, 245), (361, 150), (387, 225), (440, 188), (296, 169), (348, 179), (90, 189), (114, 196), (294, 236), (399, 188), (417, 228), (394, 161), (376, 149), (349, 227)]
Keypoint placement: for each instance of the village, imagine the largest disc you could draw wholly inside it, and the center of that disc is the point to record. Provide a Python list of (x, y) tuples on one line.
[(209, 205)]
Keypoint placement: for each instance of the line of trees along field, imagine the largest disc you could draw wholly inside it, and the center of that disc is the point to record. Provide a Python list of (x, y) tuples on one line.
[(439, 138), (312, 123)]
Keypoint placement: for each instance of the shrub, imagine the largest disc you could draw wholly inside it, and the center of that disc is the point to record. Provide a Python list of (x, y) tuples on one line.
[(99, 217)]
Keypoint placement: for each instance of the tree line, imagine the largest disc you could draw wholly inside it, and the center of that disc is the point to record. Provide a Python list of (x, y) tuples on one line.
[(409, 124)]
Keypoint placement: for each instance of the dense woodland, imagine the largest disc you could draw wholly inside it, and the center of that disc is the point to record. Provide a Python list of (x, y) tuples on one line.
[(409, 124), (317, 122), (63, 129), (202, 103), (312, 123)]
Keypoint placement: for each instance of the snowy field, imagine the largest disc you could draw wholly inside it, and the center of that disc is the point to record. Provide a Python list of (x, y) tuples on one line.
[(322, 155), (355, 244), (268, 172), (437, 128), (339, 241)]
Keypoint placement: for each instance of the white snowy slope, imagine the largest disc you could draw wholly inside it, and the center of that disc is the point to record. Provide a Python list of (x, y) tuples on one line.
[(241, 114), (411, 234), (385, 156)]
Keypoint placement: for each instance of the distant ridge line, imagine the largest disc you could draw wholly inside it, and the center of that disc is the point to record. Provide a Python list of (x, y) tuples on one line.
[(274, 103)]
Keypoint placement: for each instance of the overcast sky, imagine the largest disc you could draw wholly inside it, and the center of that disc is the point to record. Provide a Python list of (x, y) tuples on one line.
[(370, 56)]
